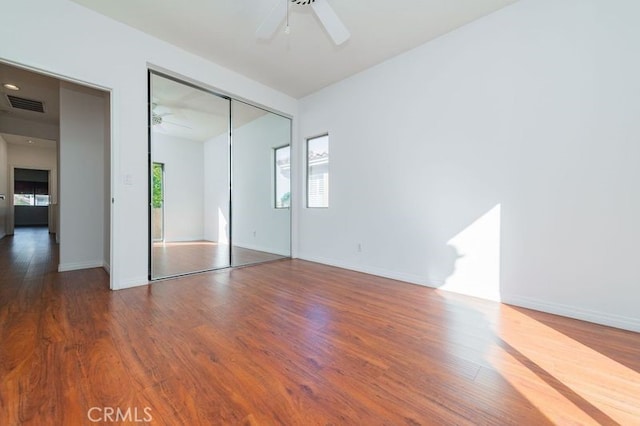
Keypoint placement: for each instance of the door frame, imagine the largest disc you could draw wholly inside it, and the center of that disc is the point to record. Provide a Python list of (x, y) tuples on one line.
[(53, 198), (112, 155)]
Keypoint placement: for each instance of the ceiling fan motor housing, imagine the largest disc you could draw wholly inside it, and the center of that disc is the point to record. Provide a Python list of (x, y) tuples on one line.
[(323, 11)]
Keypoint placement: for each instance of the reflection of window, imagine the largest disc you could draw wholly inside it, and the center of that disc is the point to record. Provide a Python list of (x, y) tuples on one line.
[(318, 171), (42, 200), (282, 166), (157, 190), (27, 193)]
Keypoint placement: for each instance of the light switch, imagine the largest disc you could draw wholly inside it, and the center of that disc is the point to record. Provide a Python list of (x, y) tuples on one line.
[(128, 179)]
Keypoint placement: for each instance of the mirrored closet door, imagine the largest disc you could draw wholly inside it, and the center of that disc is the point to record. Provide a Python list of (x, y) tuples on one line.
[(189, 133), (198, 165), (261, 182)]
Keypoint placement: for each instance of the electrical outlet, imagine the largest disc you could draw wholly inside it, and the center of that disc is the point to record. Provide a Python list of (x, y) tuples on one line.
[(359, 248), (254, 234)]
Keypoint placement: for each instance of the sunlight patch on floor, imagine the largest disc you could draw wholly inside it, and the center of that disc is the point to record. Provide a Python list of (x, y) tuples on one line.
[(568, 375)]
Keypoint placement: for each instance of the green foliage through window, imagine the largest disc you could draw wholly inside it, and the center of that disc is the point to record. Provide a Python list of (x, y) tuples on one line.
[(156, 196)]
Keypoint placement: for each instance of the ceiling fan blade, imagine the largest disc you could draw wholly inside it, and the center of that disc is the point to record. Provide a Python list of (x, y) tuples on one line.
[(331, 21), (269, 26), (177, 125), (160, 109)]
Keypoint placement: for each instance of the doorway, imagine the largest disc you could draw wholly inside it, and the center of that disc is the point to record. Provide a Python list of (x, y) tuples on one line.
[(30, 198), (61, 129)]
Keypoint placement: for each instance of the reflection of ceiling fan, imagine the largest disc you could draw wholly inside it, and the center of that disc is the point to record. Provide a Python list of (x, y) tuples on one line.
[(323, 11), (159, 112)]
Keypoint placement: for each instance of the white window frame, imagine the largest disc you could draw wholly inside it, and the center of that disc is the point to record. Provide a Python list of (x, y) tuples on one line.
[(308, 174)]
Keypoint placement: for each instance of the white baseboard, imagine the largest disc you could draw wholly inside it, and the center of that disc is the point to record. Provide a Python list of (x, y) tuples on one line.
[(617, 321), (106, 267), (380, 272), (264, 249), (132, 282), (189, 239), (75, 266)]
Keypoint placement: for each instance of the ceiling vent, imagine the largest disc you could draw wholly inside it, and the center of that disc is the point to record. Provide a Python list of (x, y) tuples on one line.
[(26, 104)]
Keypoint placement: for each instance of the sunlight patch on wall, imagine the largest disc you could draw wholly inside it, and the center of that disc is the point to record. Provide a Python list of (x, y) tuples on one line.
[(222, 228), (477, 268)]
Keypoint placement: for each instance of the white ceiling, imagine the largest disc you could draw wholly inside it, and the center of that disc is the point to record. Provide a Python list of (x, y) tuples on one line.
[(187, 112), (305, 60), (195, 114), (32, 86), (27, 141)]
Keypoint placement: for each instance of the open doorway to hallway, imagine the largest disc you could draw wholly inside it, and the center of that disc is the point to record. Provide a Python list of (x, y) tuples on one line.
[(31, 198), (55, 165)]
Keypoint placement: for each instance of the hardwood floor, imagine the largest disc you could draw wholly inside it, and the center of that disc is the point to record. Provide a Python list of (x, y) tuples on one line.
[(293, 343), (171, 259)]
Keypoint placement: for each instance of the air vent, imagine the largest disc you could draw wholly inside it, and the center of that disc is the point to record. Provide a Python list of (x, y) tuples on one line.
[(27, 104)]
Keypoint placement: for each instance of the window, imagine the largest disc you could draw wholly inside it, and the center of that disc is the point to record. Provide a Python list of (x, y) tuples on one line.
[(42, 200), (282, 170), (30, 200), (29, 192), (318, 172)]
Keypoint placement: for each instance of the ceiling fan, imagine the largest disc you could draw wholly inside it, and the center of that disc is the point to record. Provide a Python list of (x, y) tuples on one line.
[(159, 112), (323, 10)]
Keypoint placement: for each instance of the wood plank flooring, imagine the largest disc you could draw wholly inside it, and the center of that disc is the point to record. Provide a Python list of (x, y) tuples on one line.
[(292, 343), (177, 258)]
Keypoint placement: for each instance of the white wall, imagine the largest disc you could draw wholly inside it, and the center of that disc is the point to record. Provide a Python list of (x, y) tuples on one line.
[(34, 129), (86, 46), (32, 157), (184, 186), (82, 190), (500, 160), (256, 223), (4, 186), (216, 189)]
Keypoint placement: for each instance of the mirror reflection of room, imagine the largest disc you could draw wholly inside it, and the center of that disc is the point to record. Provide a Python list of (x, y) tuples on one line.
[(261, 185), (193, 225), (189, 179)]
